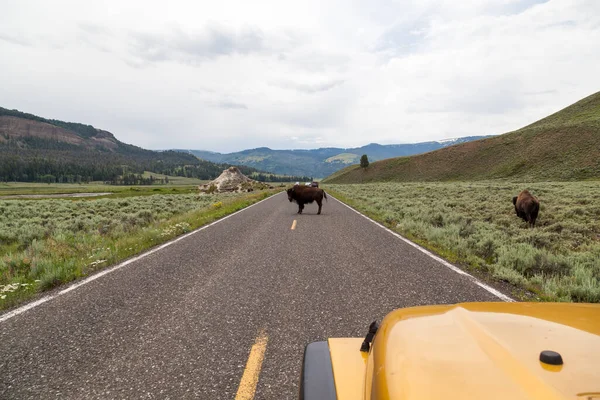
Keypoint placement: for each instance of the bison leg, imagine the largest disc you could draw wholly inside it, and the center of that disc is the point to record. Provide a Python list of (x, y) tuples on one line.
[(534, 215), (320, 203), (529, 218), (532, 220), (300, 208), (523, 216)]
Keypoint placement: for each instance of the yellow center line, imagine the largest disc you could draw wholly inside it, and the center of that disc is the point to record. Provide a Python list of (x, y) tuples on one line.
[(249, 380), (294, 225)]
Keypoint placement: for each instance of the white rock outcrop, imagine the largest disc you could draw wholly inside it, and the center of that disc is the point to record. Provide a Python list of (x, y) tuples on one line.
[(232, 180)]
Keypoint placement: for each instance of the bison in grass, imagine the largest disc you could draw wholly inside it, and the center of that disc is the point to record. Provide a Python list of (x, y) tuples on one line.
[(526, 207), (306, 194)]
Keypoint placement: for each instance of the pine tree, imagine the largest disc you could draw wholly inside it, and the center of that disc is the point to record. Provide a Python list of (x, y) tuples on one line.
[(364, 161)]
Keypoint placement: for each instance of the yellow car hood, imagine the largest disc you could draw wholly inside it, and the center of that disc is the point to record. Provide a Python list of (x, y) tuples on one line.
[(474, 351)]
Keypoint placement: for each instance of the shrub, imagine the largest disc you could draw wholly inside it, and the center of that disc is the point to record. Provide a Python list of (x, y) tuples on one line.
[(437, 220), (487, 250), (466, 229), (212, 189), (144, 217), (77, 225), (57, 274)]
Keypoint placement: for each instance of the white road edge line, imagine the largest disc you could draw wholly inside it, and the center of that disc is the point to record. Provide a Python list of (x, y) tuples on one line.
[(454, 268), (89, 279)]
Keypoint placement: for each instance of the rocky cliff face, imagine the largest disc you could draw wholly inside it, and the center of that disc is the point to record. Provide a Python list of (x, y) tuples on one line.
[(16, 129), (37, 149)]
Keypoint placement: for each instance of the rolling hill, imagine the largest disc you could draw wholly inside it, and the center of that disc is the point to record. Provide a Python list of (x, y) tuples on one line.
[(36, 149), (562, 146), (320, 162)]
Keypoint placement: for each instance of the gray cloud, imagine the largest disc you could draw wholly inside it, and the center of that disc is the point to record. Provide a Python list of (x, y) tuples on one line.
[(203, 90), (318, 61), (310, 88), (230, 105), (95, 36), (494, 97), (513, 7), (94, 29), (540, 92), (561, 24), (212, 98), (403, 38), (495, 103), (311, 141), (409, 35), (469, 105), (211, 42), (313, 118), (14, 40)]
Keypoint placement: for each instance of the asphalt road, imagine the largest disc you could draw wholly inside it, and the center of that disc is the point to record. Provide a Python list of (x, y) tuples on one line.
[(180, 323)]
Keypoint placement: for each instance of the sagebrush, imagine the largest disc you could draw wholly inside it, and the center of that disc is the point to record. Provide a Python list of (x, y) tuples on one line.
[(474, 224), (44, 243)]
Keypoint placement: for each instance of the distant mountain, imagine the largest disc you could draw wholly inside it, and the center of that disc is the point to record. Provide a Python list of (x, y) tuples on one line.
[(36, 149), (320, 162), (562, 146)]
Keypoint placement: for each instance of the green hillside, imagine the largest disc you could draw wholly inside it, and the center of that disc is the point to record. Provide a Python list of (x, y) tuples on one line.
[(562, 146), (323, 161), (36, 149), (344, 158)]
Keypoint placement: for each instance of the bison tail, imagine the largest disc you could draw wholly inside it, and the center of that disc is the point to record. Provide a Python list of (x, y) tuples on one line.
[(325, 195)]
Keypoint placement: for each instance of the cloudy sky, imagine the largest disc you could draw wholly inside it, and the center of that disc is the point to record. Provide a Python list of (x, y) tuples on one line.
[(226, 76)]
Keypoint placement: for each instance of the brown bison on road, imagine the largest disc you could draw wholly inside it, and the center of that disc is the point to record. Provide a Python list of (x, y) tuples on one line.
[(306, 194), (527, 207)]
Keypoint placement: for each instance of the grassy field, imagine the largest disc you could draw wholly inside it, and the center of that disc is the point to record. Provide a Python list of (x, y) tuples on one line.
[(23, 188), (474, 225), (45, 243), (175, 180)]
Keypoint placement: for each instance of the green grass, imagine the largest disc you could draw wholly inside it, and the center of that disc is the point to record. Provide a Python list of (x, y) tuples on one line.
[(175, 180), (22, 188), (250, 159), (46, 243), (16, 188), (474, 225), (344, 158), (564, 146)]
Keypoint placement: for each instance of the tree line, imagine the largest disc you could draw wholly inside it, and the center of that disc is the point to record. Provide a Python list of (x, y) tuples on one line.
[(262, 177), (54, 165)]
